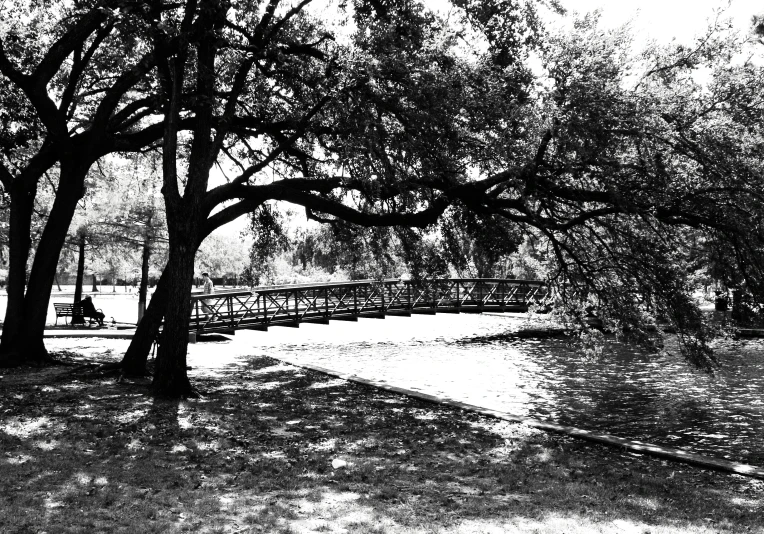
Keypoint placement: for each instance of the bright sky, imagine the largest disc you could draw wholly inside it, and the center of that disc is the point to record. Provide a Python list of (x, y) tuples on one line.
[(664, 20), (661, 20)]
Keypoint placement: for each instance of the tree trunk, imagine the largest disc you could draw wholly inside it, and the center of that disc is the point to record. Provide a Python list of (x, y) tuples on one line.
[(80, 270), (44, 267), (19, 243), (26, 313), (134, 361), (184, 212), (95, 283), (144, 280), (170, 376), (58, 284)]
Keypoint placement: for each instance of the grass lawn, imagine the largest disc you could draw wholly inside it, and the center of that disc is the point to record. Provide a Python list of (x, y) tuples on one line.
[(273, 448)]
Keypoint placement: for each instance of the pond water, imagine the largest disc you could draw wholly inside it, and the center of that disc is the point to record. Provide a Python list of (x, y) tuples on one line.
[(627, 392)]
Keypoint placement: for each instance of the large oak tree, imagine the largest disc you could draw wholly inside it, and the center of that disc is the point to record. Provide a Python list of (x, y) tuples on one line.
[(361, 130)]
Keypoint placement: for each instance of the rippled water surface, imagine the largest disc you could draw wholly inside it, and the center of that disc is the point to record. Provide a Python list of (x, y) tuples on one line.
[(626, 392)]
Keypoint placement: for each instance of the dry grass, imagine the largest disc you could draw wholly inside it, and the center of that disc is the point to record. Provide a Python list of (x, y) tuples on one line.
[(80, 453)]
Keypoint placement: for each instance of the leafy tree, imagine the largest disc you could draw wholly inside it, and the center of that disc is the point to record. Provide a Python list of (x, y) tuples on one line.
[(610, 161), (530, 259), (119, 222), (221, 255), (311, 101), (601, 168), (620, 161), (269, 238), (355, 251), (475, 244), (70, 86), (130, 215)]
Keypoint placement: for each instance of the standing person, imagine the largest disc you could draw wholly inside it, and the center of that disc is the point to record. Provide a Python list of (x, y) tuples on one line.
[(208, 288)]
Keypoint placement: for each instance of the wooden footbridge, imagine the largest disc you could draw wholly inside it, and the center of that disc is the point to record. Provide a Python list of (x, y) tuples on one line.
[(228, 311)]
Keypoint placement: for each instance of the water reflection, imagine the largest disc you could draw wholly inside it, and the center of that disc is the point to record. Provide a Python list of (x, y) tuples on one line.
[(626, 392)]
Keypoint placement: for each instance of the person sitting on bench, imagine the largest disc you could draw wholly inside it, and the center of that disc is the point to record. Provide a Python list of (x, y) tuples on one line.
[(89, 310)]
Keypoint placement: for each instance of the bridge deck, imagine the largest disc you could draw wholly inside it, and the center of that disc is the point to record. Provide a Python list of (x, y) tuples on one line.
[(347, 301)]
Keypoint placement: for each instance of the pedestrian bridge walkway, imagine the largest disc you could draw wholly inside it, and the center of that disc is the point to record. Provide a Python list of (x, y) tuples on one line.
[(226, 311)]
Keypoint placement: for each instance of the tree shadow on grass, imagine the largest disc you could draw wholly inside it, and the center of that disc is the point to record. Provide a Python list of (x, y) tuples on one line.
[(273, 448)]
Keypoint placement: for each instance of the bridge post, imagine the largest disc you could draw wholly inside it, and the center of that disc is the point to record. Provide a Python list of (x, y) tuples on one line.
[(503, 286), (355, 299)]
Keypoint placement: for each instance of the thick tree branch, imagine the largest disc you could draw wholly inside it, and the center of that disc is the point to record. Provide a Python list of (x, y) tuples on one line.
[(68, 43), (80, 64), (116, 92)]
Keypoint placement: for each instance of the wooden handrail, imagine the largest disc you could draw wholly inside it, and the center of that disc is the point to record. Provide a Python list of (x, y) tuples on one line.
[(203, 296)]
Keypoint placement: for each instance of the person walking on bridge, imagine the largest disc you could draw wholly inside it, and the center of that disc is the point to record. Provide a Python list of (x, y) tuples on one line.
[(208, 288)]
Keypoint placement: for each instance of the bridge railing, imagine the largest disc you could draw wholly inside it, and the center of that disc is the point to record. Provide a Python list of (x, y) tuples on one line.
[(319, 303)]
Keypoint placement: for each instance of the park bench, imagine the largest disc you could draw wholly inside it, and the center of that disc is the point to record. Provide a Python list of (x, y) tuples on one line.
[(75, 312)]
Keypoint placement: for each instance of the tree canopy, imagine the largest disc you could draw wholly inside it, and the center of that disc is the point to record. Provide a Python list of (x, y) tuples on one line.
[(486, 126)]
